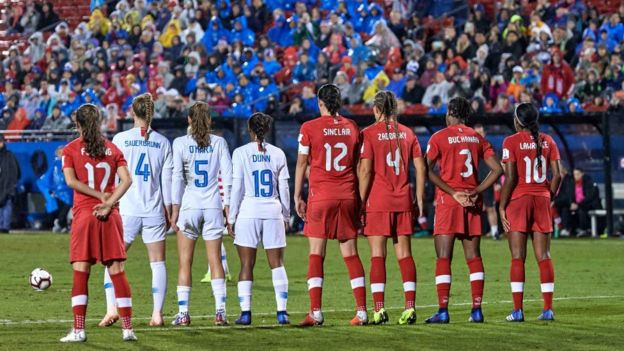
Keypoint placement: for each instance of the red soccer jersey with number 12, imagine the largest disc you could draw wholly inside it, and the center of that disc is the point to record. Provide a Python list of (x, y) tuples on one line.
[(390, 189), (458, 150), (98, 174), (332, 144), (521, 149)]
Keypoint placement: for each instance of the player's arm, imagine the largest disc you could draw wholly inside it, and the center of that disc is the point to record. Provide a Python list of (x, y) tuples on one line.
[(421, 170), (166, 178), (511, 180), (225, 166), (284, 193), (75, 184), (300, 172), (125, 180), (495, 172), (236, 193), (365, 174), (177, 184), (434, 178)]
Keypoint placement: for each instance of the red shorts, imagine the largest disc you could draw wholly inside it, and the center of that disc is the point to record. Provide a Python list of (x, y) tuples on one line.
[(530, 214), (389, 223), (453, 219), (332, 219), (93, 240)]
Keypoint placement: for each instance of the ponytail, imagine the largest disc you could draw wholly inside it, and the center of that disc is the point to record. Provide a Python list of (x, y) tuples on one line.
[(260, 124), (143, 108), (200, 123), (527, 117), (386, 104), (89, 120)]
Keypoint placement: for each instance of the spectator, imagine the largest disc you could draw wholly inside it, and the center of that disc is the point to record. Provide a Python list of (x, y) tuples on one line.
[(437, 107), (19, 122), (9, 176), (48, 18), (412, 92), (56, 121), (557, 77), (322, 69), (342, 82), (502, 104), (576, 198), (310, 102), (379, 83), (397, 84), (440, 88), (304, 70), (550, 104), (59, 197), (357, 88), (515, 87)]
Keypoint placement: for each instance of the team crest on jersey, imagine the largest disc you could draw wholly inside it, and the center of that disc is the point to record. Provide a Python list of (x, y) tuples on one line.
[(505, 154)]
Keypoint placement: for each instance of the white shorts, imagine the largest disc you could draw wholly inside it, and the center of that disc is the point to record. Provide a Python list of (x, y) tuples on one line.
[(250, 232), (208, 223), (152, 229)]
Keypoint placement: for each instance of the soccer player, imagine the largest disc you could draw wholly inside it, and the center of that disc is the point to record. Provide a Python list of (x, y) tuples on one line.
[(197, 160), (145, 208), (388, 208), (458, 149), (329, 145), (525, 204), (90, 164), (259, 211)]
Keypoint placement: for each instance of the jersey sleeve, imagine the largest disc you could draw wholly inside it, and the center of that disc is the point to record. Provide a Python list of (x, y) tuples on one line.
[(237, 167), (167, 173), (284, 191), (508, 152), (416, 151), (433, 148), (304, 140), (67, 159), (177, 188), (236, 194), (283, 170), (225, 167), (487, 150), (366, 150), (120, 160)]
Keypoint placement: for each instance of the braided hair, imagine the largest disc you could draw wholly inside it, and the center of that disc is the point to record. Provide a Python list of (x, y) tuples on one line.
[(260, 124), (89, 120), (330, 95), (200, 127), (386, 104), (143, 108), (527, 117), (460, 108)]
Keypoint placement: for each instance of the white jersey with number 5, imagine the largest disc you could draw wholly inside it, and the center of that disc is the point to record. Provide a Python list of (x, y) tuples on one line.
[(150, 163), (260, 183), (196, 173)]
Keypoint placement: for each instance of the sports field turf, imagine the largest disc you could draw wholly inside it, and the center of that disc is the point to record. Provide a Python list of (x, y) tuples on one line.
[(589, 303)]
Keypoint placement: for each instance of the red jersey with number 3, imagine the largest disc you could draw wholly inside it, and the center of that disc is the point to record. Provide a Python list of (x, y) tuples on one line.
[(458, 150), (332, 144), (390, 188), (98, 174), (532, 177)]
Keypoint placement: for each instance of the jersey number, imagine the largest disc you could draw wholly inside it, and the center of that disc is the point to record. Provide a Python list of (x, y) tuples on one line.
[(336, 161), (531, 170), (469, 168), (396, 162), (263, 183), (201, 173), (91, 174), (143, 169)]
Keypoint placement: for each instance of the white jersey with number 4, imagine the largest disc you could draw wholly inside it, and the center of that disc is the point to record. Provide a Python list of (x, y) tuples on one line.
[(196, 173), (260, 183), (150, 164)]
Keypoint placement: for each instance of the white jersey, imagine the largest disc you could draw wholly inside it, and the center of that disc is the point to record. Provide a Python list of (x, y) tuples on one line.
[(150, 164), (260, 183), (196, 173)]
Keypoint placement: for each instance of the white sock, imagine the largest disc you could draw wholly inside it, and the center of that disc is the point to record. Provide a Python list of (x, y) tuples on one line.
[(109, 290), (280, 285), (494, 230), (218, 290), (244, 295), (159, 284), (226, 269), (184, 294)]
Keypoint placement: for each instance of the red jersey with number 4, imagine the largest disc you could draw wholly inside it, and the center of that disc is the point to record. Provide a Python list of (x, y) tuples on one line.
[(98, 174), (458, 149), (532, 178), (390, 189), (331, 144)]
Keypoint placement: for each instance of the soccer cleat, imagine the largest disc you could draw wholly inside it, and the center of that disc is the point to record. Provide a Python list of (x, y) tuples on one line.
[(283, 318), (516, 316), (476, 315), (312, 319), (206, 278), (75, 336), (547, 315), (181, 319), (408, 317), (108, 320), (244, 319), (380, 317), (128, 335), (361, 318), (221, 318), (441, 317)]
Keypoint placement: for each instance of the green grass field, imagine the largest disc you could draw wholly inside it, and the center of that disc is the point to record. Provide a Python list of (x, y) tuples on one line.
[(589, 302)]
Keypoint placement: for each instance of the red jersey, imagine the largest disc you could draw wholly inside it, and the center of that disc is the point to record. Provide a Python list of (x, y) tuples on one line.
[(331, 145), (458, 150), (390, 191), (98, 174), (521, 149)]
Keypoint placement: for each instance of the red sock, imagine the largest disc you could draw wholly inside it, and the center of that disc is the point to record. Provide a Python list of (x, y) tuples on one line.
[(378, 281), (547, 278), (443, 281), (476, 280), (516, 277), (408, 273), (356, 275), (80, 293), (315, 281), (124, 298)]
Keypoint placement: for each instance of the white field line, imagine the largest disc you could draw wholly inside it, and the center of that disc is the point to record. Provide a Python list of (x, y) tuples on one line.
[(7, 322)]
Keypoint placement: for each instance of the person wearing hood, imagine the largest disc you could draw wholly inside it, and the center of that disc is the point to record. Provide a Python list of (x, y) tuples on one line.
[(241, 33), (304, 71), (193, 27), (358, 52), (397, 83), (358, 86), (98, 24), (172, 30), (440, 87), (376, 14), (342, 82), (573, 105), (558, 77), (71, 105), (213, 34), (538, 26), (362, 22), (606, 40), (265, 91), (614, 27), (550, 104), (36, 48), (379, 83), (250, 61), (383, 38), (280, 33), (239, 108), (271, 66), (29, 100), (437, 106), (247, 88)]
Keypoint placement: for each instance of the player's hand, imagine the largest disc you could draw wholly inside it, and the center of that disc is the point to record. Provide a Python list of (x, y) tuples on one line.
[(474, 197), (363, 218), (574, 206), (102, 210), (286, 227), (419, 208), (173, 220), (230, 229), (105, 197), (463, 198), (301, 208), (504, 220), (226, 210)]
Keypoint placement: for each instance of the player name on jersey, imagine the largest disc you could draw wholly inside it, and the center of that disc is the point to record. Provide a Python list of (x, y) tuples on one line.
[(147, 143), (463, 139), (336, 131), (108, 152), (533, 145), (194, 149), (260, 158), (391, 136)]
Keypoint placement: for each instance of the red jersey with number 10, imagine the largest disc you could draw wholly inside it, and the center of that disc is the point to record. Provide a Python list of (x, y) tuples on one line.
[(332, 144), (522, 149), (98, 174), (458, 150), (390, 188)]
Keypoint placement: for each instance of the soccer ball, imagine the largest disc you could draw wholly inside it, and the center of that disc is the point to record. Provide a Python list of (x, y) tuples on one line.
[(40, 279)]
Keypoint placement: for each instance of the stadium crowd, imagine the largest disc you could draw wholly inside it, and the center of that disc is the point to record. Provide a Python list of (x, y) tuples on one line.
[(246, 56)]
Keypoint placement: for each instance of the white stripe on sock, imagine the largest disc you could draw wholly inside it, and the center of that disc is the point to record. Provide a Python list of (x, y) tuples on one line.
[(477, 276), (79, 300), (409, 286), (548, 287), (378, 287), (357, 282), (315, 283), (124, 302), (443, 279), (517, 287)]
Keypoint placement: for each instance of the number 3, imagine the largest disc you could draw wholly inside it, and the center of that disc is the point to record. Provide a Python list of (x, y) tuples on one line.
[(469, 169)]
